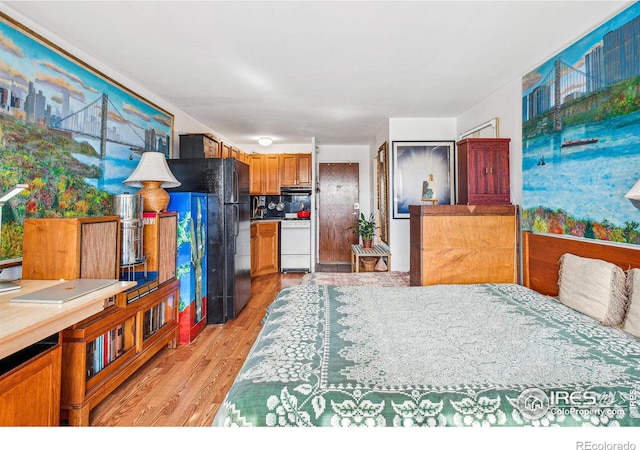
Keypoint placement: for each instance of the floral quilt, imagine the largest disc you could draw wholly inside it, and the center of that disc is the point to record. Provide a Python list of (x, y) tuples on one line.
[(456, 355)]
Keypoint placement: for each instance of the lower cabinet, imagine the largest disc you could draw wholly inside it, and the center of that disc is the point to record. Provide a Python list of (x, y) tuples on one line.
[(101, 352), (30, 385), (264, 248)]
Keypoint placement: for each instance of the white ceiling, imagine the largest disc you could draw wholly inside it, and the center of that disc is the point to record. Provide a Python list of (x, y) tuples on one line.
[(330, 69)]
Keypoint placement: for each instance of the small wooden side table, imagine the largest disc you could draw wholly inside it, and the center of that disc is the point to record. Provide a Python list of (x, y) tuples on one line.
[(378, 251)]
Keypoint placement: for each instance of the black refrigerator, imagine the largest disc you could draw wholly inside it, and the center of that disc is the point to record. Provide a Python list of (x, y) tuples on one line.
[(226, 181)]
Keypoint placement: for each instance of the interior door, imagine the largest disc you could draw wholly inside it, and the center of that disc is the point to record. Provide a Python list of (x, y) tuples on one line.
[(339, 192)]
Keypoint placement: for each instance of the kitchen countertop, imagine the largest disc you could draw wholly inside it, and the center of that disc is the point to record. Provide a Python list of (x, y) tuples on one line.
[(23, 324), (276, 219)]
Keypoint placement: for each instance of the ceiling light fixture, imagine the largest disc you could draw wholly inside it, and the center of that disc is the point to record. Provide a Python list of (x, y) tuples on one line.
[(265, 141)]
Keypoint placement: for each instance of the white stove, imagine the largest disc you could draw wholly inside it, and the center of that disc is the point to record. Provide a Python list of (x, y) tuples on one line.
[(295, 245)]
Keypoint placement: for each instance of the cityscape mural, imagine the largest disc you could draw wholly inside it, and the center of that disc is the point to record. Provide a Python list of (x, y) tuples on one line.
[(581, 136), (72, 134)]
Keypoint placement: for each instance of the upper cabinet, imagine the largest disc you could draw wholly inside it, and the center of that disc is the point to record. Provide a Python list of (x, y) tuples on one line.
[(295, 169), (199, 146), (227, 150), (205, 145), (483, 171), (264, 174)]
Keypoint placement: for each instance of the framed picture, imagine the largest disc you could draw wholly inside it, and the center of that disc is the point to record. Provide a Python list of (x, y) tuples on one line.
[(489, 129), (68, 131), (423, 173), (578, 167), (383, 192)]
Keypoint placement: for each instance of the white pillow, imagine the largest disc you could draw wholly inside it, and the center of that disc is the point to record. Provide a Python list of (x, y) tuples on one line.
[(632, 320), (593, 287)]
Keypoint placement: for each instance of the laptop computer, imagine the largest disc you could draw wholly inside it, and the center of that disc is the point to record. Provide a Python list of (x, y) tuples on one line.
[(65, 291), (8, 286)]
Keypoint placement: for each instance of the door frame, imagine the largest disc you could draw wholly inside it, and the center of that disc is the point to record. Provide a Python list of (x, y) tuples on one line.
[(318, 204)]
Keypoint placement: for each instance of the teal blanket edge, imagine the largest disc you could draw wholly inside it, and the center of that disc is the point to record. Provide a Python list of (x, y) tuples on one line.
[(492, 355)]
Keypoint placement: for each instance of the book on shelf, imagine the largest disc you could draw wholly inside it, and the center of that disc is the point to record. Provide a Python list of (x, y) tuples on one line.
[(91, 348), (105, 349), (153, 319), (120, 340), (96, 355)]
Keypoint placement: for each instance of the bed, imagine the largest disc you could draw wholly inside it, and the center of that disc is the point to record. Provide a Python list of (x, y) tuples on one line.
[(444, 355)]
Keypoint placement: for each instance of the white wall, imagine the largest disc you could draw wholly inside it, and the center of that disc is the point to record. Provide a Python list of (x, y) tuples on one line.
[(506, 105), (410, 129)]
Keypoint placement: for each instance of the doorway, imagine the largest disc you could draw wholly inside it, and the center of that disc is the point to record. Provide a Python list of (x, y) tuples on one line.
[(338, 185)]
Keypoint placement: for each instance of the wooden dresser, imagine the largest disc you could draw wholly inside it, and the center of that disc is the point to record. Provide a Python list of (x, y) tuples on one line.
[(463, 244)]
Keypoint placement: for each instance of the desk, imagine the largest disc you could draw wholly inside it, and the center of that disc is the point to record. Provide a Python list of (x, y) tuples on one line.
[(23, 324), (377, 251), (31, 351)]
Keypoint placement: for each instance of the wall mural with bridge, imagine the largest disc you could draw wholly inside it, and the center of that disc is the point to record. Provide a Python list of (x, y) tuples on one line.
[(69, 132), (581, 136)]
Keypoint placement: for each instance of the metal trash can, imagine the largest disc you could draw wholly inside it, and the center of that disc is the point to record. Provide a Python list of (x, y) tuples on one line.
[(129, 208)]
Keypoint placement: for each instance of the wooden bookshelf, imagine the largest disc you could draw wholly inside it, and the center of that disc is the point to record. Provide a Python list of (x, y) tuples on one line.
[(100, 352)]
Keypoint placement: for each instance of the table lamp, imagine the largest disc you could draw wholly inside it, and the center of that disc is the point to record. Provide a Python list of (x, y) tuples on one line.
[(634, 192), (153, 174)]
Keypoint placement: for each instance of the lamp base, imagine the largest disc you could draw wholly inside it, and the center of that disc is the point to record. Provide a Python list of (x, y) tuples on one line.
[(154, 198)]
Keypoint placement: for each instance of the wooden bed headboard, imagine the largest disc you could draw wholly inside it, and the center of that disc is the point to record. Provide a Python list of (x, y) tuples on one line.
[(541, 258)]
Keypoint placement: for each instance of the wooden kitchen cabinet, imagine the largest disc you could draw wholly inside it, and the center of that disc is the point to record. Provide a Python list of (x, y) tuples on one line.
[(226, 150), (61, 248), (460, 244), (295, 169), (199, 146), (483, 171), (264, 174), (264, 248)]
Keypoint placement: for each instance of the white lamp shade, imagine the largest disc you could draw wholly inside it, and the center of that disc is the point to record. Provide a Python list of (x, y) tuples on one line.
[(634, 192), (152, 167)]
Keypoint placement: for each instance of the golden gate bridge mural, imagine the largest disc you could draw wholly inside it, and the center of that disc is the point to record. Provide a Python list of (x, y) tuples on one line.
[(101, 120), (562, 84)]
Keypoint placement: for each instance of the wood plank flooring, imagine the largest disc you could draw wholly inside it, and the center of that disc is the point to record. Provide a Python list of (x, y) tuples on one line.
[(185, 386)]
